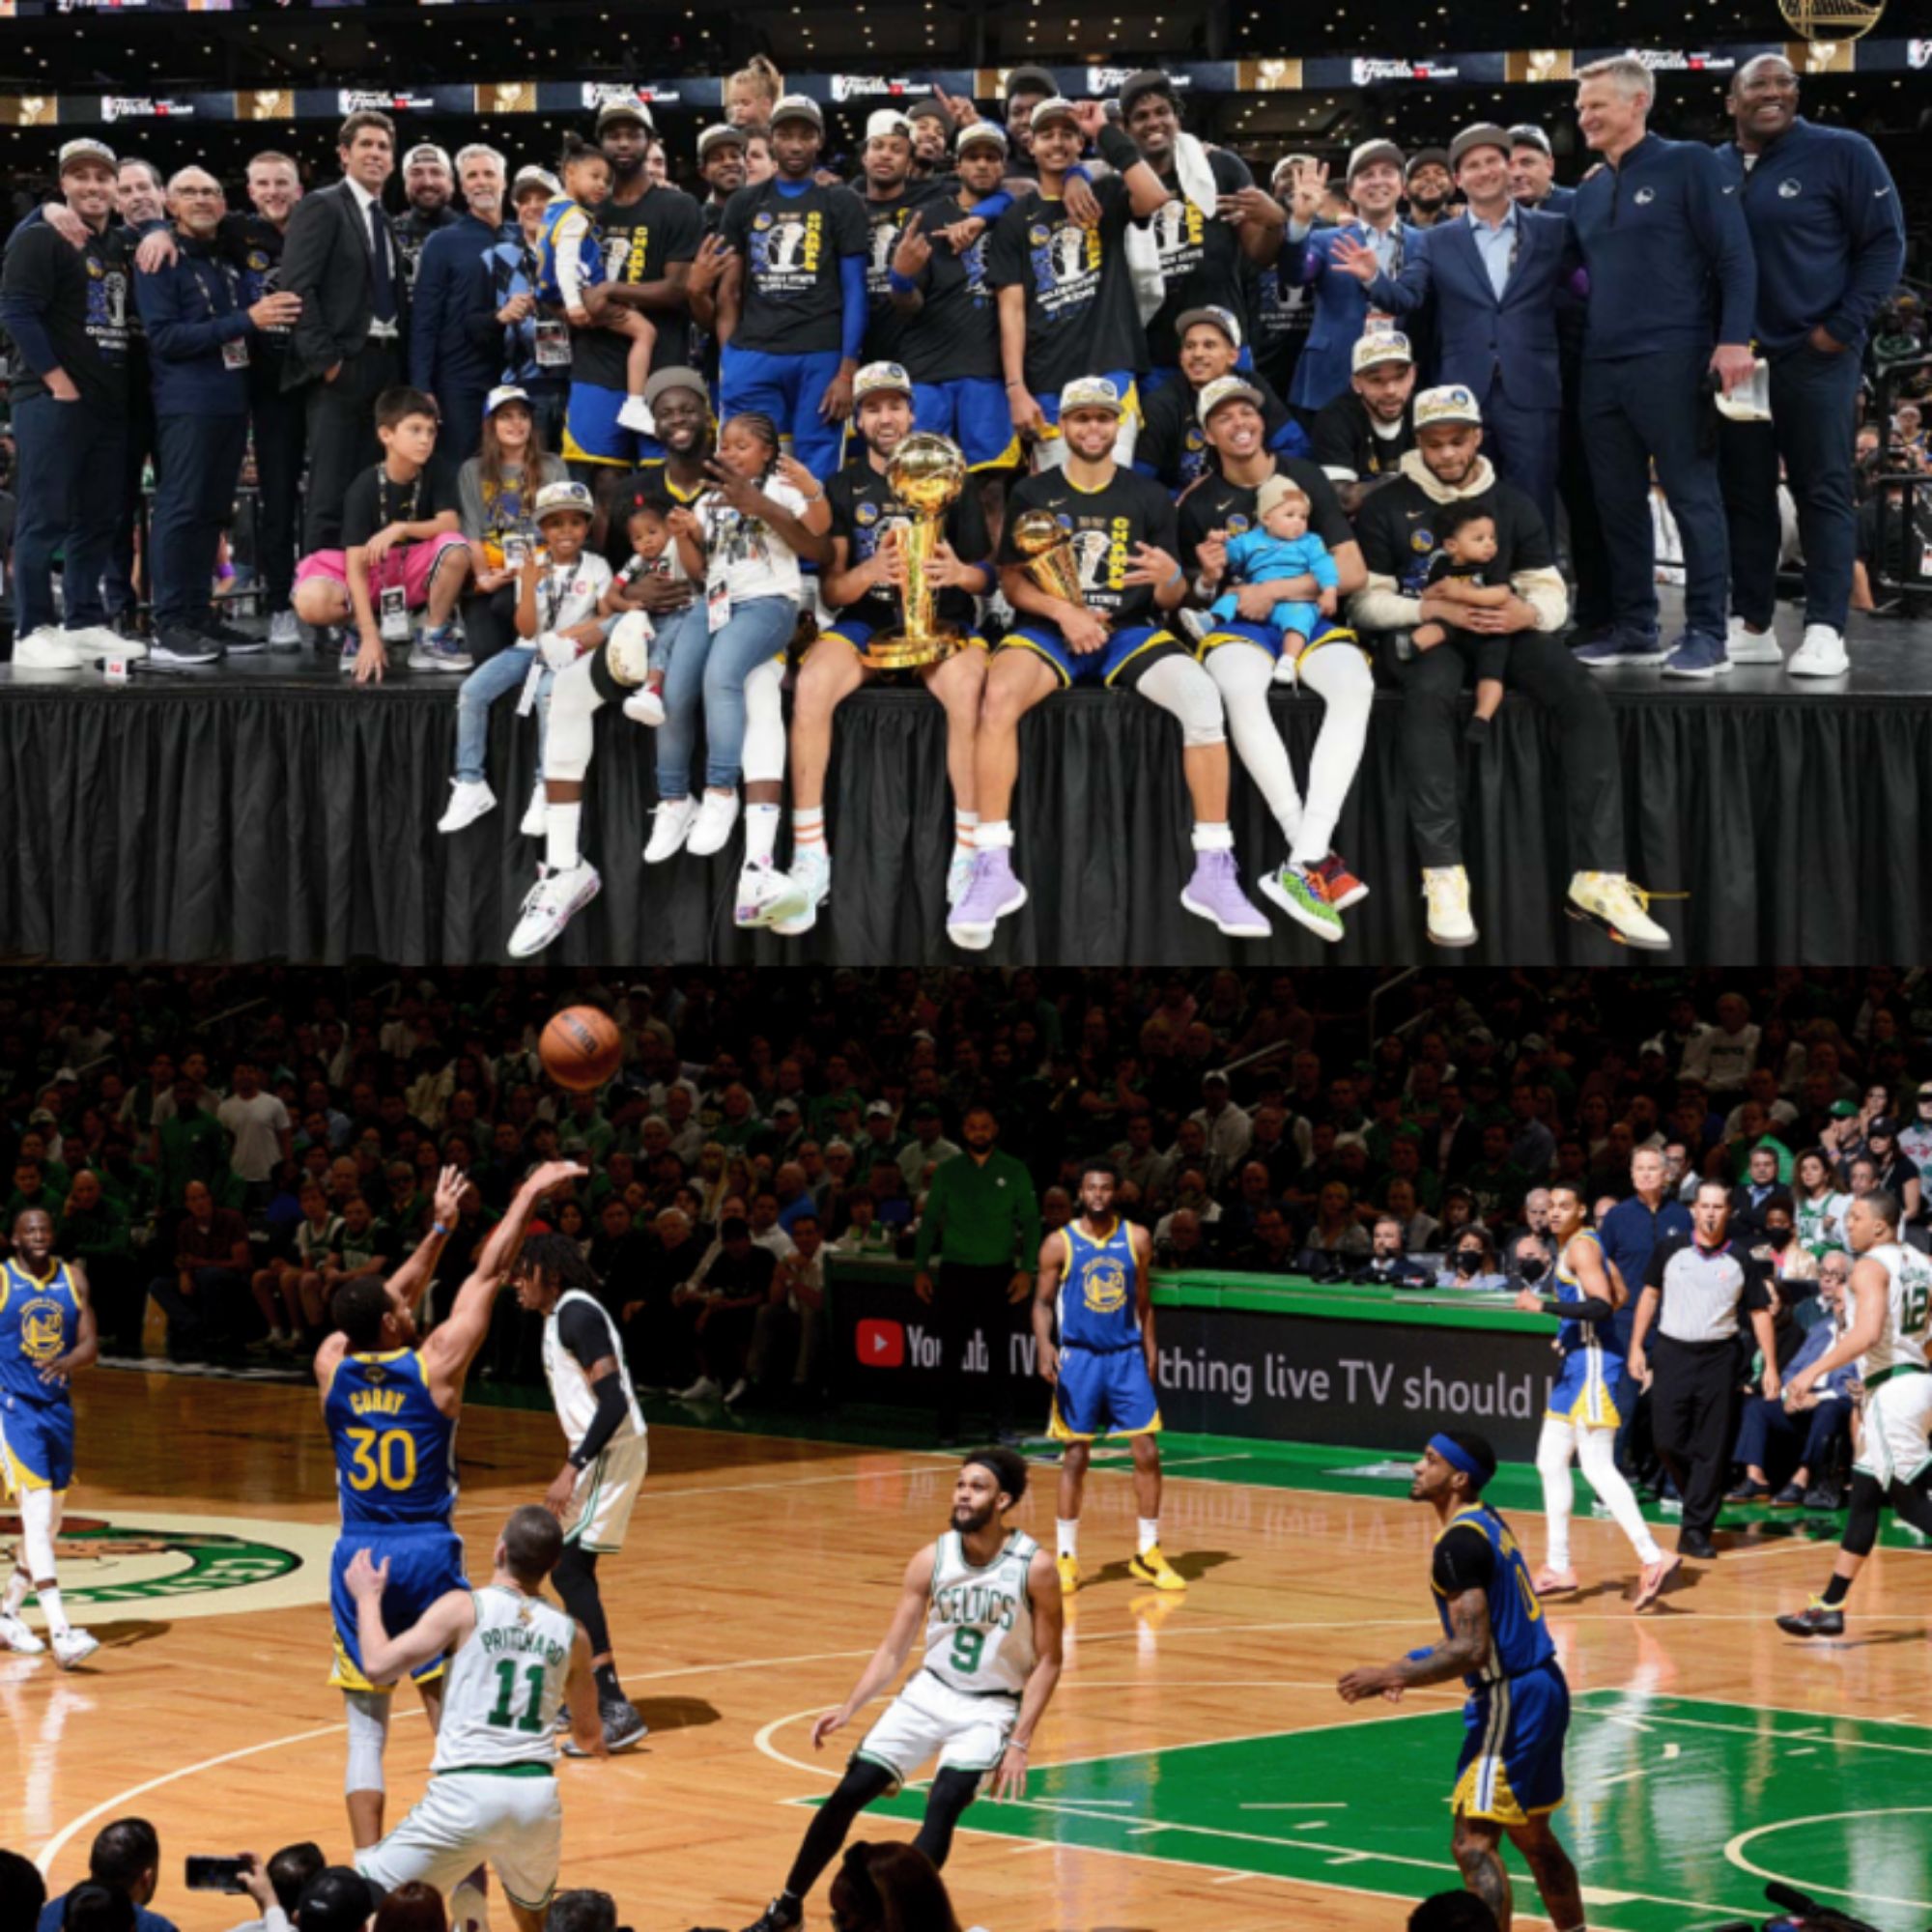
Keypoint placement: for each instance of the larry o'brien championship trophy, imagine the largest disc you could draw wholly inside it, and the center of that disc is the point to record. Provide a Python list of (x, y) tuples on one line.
[(926, 474), (1047, 546)]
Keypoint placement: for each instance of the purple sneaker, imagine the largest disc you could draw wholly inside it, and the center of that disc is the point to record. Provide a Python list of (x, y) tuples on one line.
[(1215, 892), (993, 893)]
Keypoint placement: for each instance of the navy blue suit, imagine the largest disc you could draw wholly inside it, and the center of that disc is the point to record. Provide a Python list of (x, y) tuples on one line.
[(1340, 309), (455, 341), (1505, 350)]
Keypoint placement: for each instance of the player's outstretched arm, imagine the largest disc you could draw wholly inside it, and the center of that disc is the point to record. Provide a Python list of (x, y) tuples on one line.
[(1049, 1623), (412, 1279), (439, 1628), (86, 1349), (889, 1660), (1464, 1649), (579, 1691)]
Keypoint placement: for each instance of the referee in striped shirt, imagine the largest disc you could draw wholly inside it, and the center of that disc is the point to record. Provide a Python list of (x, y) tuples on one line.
[(1696, 1290)]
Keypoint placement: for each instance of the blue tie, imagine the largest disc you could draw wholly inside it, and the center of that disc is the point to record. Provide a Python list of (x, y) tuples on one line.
[(379, 261)]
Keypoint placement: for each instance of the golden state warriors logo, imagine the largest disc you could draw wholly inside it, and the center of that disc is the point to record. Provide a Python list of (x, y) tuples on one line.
[(1422, 542), (43, 1331), (1104, 1291), (866, 513)]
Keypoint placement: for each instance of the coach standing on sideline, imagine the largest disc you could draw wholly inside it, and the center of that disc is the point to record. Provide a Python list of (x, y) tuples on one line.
[(456, 343), (1631, 1231), (1830, 240), (1670, 261), (983, 1217), (342, 260), (1693, 1290)]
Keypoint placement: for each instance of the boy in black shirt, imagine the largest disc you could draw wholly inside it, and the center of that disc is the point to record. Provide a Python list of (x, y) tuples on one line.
[(863, 584), (402, 551), (1116, 533)]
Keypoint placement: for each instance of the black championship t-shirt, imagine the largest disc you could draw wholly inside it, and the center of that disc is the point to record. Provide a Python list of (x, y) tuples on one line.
[(1279, 319), (1396, 528), (641, 240), (255, 246), (1216, 504), (1172, 445), (1104, 526), (86, 302), (1081, 318), (1347, 445), (376, 499), (793, 302), (864, 509), (954, 332), (1200, 256)]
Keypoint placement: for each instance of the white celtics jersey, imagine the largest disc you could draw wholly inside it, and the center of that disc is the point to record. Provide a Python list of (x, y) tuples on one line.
[(505, 1682), (1901, 1342), (570, 1385), (978, 1622)]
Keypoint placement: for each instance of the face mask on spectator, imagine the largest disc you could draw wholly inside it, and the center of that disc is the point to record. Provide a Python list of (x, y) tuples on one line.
[(1532, 1268), (1778, 1237)]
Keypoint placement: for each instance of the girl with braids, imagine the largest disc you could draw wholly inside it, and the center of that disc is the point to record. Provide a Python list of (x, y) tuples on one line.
[(742, 540), (597, 1488)]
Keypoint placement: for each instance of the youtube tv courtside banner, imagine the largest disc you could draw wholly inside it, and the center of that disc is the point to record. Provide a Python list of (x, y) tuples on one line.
[(1360, 1384)]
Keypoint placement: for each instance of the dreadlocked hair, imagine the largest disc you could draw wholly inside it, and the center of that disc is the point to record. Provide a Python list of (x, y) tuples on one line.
[(765, 428), (557, 1258)]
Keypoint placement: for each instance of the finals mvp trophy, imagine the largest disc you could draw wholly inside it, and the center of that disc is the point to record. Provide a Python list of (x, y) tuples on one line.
[(927, 474), (1047, 546)]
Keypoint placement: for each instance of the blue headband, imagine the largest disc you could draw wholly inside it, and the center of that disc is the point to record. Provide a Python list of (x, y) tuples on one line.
[(1459, 1458)]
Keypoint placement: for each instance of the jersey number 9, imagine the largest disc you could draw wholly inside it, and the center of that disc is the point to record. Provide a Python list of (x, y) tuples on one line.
[(388, 1458), (967, 1645)]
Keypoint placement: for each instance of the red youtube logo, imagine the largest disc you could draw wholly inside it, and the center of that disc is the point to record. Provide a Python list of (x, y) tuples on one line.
[(881, 1344)]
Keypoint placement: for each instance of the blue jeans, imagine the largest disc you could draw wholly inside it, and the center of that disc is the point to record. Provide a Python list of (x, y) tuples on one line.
[(710, 667), (72, 462), (478, 692)]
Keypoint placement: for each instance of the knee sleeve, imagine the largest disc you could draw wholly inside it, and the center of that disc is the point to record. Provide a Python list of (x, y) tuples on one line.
[(1867, 1501), (953, 1790), (1180, 685), (368, 1715), (764, 753), (569, 739), (1913, 1502), (575, 1579), (36, 1534)]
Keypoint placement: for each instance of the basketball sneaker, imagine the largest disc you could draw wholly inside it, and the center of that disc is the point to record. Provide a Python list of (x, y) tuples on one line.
[(993, 893), (47, 649), (1298, 891), (1817, 1618), (1446, 888), (711, 828), (1610, 901), (624, 1728), (646, 705), (1149, 1566), (1342, 886), (1215, 893), (1820, 654), (1621, 647), (784, 1913), (440, 647), (552, 903), (284, 632), (1070, 1573), (469, 799), (763, 891), (670, 827), (73, 1648), (14, 1635), (1699, 655), (1744, 646), (809, 886)]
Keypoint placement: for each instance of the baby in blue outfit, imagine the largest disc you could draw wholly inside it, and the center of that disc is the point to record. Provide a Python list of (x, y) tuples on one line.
[(1281, 547)]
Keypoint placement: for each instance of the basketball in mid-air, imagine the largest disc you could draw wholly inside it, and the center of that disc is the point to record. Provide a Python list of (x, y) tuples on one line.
[(581, 1049)]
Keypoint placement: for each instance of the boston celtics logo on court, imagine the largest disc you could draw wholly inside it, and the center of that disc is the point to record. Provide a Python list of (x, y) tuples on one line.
[(139, 1567)]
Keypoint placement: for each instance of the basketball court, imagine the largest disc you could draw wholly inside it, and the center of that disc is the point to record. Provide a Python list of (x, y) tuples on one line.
[(1196, 1769)]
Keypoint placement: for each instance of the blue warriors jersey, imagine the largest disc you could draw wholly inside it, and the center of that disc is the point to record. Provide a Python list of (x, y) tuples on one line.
[(589, 252), (1519, 1637), (396, 1451), (1584, 1392), (40, 1321), (1097, 1305)]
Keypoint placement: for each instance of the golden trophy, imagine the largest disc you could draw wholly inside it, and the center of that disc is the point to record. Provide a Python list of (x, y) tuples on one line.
[(927, 474), (1048, 550)]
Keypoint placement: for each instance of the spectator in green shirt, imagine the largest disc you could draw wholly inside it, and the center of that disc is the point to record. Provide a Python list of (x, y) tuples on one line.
[(879, 1144), (189, 1146), (982, 1219), (585, 1132)]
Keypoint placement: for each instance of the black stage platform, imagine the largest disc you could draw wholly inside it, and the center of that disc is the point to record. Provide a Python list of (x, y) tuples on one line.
[(268, 808)]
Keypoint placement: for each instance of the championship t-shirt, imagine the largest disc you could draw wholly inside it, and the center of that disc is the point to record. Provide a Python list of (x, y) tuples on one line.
[(1279, 319), (1104, 526), (84, 299), (1352, 446), (1200, 256), (1081, 318), (1396, 526), (1171, 441), (793, 302), (641, 240), (1216, 504), (376, 499), (744, 554), (865, 511)]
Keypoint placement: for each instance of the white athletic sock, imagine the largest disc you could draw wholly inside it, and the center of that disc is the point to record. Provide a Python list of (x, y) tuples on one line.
[(50, 1608), (965, 824), (994, 834), (1597, 1451), (808, 827), (1559, 1499), (18, 1585), (1149, 1528), (1067, 1535), (761, 833), (560, 823), (1217, 837)]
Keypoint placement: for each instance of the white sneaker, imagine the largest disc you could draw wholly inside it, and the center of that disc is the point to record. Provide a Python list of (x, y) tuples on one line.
[(704, 1390), (762, 892), (735, 1394), (670, 827), (14, 1635), (74, 1648), (711, 830), (1446, 888), (958, 874), (810, 883), (469, 799), (468, 1908), (1751, 647), (552, 902), (97, 642), (536, 814), (1822, 654), (635, 415), (1610, 901), (646, 706), (47, 649), (285, 632)]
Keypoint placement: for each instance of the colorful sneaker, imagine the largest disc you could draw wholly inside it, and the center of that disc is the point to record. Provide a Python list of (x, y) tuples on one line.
[(1446, 888), (1342, 885), (1151, 1567), (1817, 1618), (670, 827), (469, 799), (75, 1647), (1548, 1582), (711, 830), (536, 814), (809, 884), (1070, 1573), (1621, 647), (1699, 655), (14, 1635), (763, 891), (440, 647), (552, 903), (1215, 892), (1821, 654), (1610, 901), (993, 891), (1298, 891), (1744, 646), (348, 651)]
